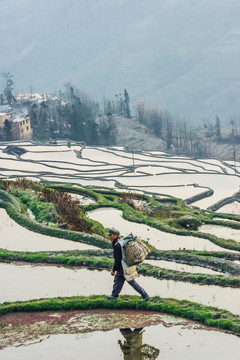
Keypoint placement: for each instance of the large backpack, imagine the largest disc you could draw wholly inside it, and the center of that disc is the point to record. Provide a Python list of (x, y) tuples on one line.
[(134, 251)]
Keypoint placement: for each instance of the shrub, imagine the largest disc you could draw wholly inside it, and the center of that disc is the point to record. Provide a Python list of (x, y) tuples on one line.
[(187, 221)]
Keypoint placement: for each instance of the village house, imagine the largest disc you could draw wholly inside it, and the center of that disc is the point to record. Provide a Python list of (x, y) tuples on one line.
[(20, 124), (21, 128), (3, 117)]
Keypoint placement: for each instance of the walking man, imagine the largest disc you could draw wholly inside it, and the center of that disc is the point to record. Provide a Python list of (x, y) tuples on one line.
[(121, 271)]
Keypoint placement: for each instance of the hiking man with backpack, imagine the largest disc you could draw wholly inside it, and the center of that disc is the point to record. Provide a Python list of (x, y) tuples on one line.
[(121, 271)]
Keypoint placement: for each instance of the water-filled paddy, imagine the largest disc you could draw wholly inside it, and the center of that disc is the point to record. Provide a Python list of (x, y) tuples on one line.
[(233, 208), (221, 231), (99, 166), (17, 238), (163, 341), (24, 282), (223, 185), (181, 267), (181, 192), (111, 217)]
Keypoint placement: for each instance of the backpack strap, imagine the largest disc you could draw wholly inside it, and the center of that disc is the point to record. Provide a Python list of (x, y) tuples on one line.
[(121, 243)]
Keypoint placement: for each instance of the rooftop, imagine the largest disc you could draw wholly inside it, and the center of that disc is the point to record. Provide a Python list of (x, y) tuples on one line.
[(20, 118)]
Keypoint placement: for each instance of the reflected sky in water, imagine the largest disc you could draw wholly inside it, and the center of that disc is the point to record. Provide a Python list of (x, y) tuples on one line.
[(27, 282), (155, 342)]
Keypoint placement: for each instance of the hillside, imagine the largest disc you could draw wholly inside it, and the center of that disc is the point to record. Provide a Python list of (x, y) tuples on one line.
[(134, 135), (181, 55)]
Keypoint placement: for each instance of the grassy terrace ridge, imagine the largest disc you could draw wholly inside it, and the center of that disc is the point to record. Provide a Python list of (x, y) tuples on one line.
[(175, 209), (104, 262), (32, 225), (168, 215), (210, 316), (165, 214), (218, 261)]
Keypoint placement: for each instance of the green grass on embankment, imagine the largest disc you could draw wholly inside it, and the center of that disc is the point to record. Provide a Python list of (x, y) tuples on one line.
[(210, 316), (106, 262)]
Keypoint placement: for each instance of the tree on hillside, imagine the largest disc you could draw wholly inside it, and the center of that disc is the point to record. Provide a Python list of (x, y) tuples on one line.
[(157, 122), (108, 131), (8, 90), (152, 117), (69, 92), (140, 111), (7, 130), (108, 107), (218, 128), (233, 128), (40, 121), (127, 113), (74, 116), (76, 120), (234, 133), (169, 134), (119, 106)]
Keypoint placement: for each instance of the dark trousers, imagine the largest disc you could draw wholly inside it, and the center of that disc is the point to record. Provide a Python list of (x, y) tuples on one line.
[(119, 280)]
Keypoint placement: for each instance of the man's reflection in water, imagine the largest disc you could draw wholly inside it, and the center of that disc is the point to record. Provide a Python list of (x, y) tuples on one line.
[(133, 348)]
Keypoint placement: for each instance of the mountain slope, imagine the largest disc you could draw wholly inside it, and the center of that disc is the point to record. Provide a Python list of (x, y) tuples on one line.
[(181, 55)]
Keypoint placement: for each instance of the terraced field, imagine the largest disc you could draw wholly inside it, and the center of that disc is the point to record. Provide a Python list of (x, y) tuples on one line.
[(174, 204)]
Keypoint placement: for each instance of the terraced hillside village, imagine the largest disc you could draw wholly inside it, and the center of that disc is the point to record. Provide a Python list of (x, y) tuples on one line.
[(57, 204)]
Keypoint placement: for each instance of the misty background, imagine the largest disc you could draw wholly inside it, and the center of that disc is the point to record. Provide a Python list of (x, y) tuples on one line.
[(181, 55)]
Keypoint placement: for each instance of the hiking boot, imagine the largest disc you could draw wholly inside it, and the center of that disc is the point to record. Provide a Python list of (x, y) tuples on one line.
[(110, 297), (146, 298)]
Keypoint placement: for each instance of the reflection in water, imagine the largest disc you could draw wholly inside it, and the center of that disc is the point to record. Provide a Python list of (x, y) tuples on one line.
[(133, 348), (176, 339)]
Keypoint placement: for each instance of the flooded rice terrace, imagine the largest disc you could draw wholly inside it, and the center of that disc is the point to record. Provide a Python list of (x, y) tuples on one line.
[(115, 168), (25, 282), (111, 217), (155, 172), (168, 338), (17, 238)]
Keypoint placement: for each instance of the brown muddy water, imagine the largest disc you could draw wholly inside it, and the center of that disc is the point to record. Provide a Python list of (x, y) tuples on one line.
[(171, 338), (25, 282)]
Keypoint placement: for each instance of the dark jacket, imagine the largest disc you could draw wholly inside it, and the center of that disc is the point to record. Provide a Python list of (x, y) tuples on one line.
[(117, 254)]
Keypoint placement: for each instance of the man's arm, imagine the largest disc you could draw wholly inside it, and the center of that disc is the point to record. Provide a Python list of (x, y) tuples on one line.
[(117, 253)]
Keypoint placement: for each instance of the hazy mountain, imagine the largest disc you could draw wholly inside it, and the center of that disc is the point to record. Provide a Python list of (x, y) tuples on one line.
[(182, 55)]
